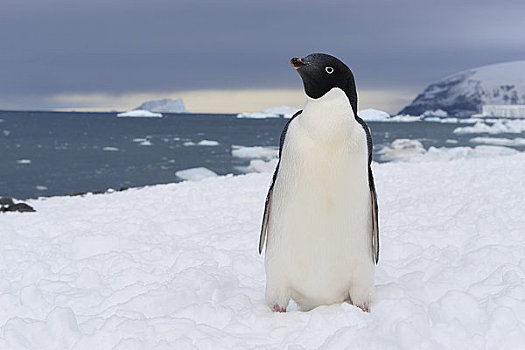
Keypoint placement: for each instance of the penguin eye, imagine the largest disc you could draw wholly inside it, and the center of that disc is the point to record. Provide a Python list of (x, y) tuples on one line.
[(329, 70)]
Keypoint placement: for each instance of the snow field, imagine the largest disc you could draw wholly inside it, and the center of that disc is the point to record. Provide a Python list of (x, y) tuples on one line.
[(176, 267)]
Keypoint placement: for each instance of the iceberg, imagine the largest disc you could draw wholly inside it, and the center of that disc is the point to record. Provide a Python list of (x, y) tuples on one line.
[(504, 111), (435, 113), (273, 112), (373, 115), (140, 113)]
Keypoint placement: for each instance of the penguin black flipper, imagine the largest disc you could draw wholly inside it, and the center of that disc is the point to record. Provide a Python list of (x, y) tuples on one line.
[(373, 195), (268, 202)]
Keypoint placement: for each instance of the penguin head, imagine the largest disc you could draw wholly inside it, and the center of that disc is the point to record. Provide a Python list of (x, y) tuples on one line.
[(321, 73)]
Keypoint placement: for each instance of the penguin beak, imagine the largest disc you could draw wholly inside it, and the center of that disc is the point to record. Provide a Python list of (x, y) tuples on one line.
[(297, 63)]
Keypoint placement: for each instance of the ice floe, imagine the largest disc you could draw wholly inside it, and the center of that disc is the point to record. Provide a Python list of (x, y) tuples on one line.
[(518, 141), (413, 151), (503, 126), (254, 152), (195, 174), (140, 113)]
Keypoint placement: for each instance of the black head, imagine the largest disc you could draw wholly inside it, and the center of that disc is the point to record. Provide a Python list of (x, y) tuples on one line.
[(321, 73)]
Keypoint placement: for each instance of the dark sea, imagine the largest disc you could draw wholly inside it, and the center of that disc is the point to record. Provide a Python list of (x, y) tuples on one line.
[(60, 153)]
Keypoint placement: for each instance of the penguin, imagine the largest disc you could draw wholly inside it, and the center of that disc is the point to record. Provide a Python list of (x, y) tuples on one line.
[(320, 220)]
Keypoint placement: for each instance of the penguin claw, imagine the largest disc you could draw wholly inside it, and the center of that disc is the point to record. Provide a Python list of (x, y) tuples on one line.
[(277, 308)]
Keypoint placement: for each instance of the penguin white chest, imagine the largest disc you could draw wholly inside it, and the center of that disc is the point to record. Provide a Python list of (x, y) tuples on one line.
[(319, 228)]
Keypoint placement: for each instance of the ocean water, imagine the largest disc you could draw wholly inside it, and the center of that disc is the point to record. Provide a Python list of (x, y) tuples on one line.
[(59, 153)]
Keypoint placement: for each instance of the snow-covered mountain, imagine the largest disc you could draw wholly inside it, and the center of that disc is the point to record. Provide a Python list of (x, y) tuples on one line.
[(464, 93), (166, 105)]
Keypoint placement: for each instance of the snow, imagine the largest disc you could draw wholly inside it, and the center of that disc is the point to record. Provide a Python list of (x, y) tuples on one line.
[(176, 267), (518, 141), (139, 113), (255, 152), (373, 115), (497, 127), (166, 105), (406, 150), (195, 174)]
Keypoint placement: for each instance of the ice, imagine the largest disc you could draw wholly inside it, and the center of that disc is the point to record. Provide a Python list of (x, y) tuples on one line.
[(176, 266), (497, 127), (195, 174), (6, 132), (405, 118), (402, 149), (406, 150), (208, 143), (504, 111), (23, 161), (273, 112), (254, 152), (373, 115), (139, 113), (285, 111), (257, 115), (41, 187), (260, 166), (110, 149), (435, 113), (518, 141), (143, 141)]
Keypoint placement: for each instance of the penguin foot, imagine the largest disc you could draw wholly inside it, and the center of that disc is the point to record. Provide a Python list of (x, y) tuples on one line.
[(364, 307), (277, 308)]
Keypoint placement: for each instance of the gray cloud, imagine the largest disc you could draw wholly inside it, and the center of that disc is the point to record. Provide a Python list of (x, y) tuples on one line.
[(121, 46)]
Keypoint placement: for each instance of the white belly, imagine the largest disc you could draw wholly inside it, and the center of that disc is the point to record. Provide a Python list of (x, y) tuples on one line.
[(319, 229)]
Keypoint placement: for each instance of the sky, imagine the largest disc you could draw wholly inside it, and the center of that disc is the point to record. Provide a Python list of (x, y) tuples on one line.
[(233, 55)]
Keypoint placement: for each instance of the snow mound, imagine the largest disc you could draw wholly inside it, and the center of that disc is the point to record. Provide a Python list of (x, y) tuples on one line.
[(195, 174), (176, 266), (373, 115), (140, 113), (166, 105), (465, 93)]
